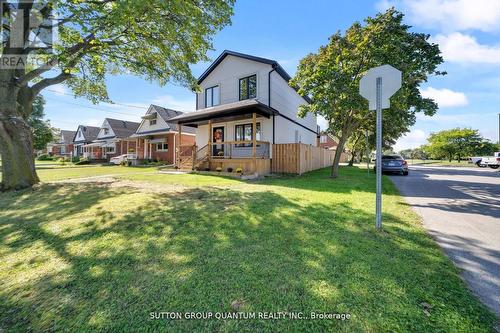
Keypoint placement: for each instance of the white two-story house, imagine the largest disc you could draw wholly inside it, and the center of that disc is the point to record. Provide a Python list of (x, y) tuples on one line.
[(244, 108)]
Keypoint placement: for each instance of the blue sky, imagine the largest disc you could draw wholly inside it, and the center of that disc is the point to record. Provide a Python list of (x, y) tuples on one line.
[(467, 31)]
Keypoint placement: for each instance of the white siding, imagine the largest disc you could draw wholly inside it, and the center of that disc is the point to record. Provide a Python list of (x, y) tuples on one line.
[(101, 131), (283, 98), (227, 76), (160, 123), (79, 135)]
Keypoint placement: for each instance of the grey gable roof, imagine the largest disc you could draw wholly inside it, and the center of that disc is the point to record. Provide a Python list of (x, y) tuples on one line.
[(276, 66), (167, 114), (122, 128), (68, 136), (89, 133)]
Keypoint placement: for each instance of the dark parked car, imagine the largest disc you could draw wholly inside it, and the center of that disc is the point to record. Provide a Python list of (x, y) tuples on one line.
[(394, 163)]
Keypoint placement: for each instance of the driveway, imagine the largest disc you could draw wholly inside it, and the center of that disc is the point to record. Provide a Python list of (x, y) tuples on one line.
[(460, 208)]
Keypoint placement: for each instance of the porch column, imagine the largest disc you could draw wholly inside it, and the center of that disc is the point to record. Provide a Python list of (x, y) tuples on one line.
[(145, 151), (179, 144), (128, 142), (150, 150), (209, 141), (254, 139), (121, 147), (137, 148)]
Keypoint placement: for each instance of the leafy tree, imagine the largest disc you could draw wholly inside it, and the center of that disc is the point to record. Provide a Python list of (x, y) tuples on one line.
[(154, 39), (331, 76), (42, 132), (457, 143), (416, 153)]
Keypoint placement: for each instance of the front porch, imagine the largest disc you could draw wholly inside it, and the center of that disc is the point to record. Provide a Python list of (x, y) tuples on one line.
[(248, 122)]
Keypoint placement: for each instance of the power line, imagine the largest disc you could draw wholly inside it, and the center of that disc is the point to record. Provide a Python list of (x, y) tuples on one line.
[(96, 108), (114, 103)]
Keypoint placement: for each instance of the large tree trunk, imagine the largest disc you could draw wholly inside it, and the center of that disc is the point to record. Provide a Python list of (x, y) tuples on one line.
[(338, 153), (351, 161), (16, 147)]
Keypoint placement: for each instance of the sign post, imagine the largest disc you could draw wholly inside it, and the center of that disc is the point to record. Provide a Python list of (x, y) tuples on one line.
[(377, 86), (367, 154)]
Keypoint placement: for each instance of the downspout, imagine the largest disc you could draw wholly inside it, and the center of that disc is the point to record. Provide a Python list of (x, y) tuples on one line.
[(269, 97)]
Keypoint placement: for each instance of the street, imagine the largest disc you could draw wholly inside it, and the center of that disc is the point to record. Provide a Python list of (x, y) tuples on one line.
[(460, 208)]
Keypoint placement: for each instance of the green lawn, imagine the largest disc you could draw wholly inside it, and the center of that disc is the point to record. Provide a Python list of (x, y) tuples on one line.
[(96, 257)]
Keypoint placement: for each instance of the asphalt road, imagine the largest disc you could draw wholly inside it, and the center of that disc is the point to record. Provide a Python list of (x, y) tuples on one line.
[(460, 208)]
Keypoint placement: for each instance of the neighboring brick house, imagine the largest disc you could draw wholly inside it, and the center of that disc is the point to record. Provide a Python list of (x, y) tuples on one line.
[(327, 141), (63, 147), (114, 138), (156, 138), (85, 135)]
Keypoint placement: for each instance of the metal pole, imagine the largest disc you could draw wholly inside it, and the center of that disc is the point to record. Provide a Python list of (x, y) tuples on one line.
[(499, 128), (367, 154), (378, 203)]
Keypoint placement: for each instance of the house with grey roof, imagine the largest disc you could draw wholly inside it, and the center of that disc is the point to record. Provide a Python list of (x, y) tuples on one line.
[(84, 135), (112, 140), (63, 146), (156, 137)]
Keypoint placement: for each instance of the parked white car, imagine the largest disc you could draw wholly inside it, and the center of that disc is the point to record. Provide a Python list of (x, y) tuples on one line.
[(121, 158), (477, 160), (493, 161)]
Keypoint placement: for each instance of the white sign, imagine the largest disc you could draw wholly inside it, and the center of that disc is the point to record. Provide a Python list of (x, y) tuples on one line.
[(391, 82)]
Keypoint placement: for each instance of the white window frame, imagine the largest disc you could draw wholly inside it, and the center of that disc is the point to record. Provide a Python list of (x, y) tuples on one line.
[(107, 151), (163, 145), (151, 120)]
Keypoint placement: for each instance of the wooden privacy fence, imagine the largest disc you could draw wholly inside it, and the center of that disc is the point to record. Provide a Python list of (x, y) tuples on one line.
[(300, 158)]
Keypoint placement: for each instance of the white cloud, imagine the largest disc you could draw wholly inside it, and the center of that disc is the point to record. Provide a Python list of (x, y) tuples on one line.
[(171, 102), (445, 98), (462, 48), (450, 15), (414, 139)]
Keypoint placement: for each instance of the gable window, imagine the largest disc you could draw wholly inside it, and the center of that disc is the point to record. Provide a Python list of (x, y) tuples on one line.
[(248, 87), (106, 131), (212, 96), (162, 146), (244, 132), (152, 122)]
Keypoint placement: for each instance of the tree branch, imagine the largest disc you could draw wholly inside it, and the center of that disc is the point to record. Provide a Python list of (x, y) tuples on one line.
[(37, 87)]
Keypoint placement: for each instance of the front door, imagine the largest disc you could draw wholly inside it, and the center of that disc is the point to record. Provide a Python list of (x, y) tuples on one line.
[(217, 141)]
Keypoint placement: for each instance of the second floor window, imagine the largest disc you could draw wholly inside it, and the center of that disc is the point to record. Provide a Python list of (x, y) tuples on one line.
[(152, 122), (248, 87), (212, 96)]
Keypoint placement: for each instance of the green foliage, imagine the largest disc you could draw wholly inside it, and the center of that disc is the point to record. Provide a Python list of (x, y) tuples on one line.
[(82, 161), (416, 153), (45, 157), (458, 143), (42, 131), (331, 76)]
